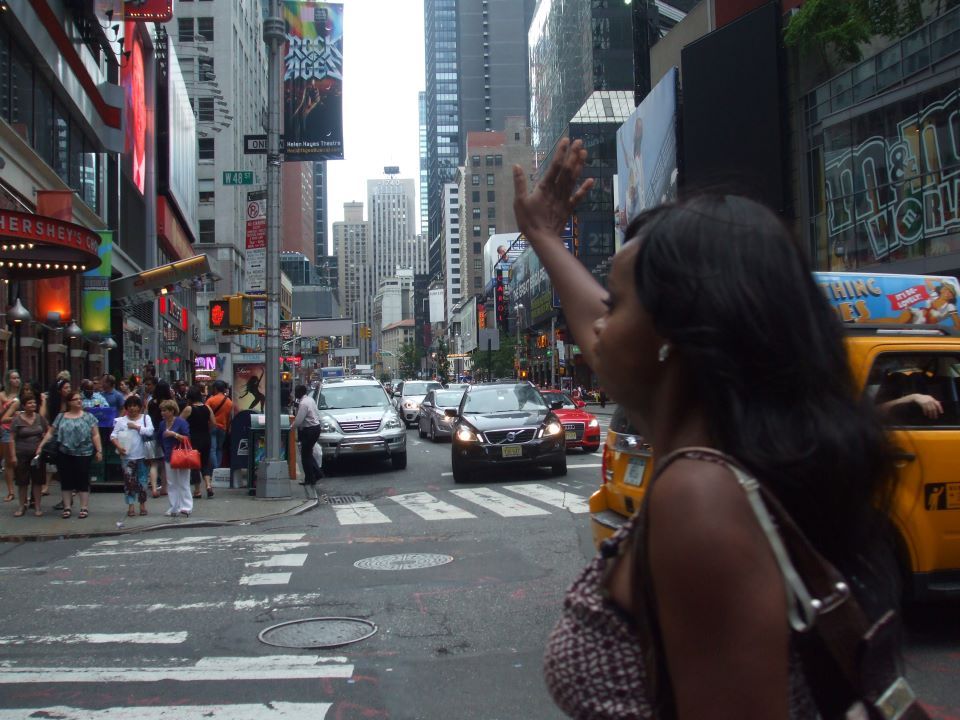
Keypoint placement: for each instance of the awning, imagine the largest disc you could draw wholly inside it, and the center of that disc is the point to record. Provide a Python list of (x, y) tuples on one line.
[(36, 246), (147, 285)]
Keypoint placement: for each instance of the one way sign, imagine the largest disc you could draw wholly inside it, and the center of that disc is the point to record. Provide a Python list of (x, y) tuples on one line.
[(257, 144)]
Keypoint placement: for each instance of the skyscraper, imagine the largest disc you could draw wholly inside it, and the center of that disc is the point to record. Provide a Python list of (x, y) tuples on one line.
[(352, 243), (392, 209), (476, 77)]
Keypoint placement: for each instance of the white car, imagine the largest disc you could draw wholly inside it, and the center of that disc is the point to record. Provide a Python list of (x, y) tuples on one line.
[(408, 396)]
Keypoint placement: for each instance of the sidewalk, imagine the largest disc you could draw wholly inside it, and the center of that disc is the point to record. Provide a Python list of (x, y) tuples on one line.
[(595, 408), (108, 514)]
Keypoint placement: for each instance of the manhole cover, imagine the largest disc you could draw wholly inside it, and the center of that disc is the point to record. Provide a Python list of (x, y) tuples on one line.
[(324, 632), (406, 561), (343, 499)]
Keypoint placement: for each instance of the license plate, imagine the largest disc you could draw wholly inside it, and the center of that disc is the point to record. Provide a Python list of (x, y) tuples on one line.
[(571, 435), (512, 451), (357, 447), (635, 468)]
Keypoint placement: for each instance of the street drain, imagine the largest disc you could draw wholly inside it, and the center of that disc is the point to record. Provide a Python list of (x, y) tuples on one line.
[(406, 561), (323, 632), (343, 499)]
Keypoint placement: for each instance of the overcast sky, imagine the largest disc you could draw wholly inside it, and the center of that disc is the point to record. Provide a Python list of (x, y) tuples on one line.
[(383, 72)]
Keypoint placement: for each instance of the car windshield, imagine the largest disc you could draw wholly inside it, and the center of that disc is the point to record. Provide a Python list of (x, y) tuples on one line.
[(505, 398), (448, 399), (552, 397), (340, 398), (420, 388)]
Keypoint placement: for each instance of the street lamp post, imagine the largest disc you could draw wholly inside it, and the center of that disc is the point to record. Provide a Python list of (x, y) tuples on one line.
[(518, 308)]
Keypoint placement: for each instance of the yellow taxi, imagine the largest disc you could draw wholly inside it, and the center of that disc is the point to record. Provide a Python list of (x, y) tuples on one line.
[(911, 371)]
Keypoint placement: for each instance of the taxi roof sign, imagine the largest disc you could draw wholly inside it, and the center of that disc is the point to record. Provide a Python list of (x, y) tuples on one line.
[(891, 298)]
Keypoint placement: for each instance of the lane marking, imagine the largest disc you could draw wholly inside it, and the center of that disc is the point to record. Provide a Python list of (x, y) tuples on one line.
[(502, 505), (165, 638), (551, 496), (590, 465), (266, 667), (292, 560), (290, 600), (266, 579), (430, 508), (262, 544), (270, 710), (360, 513)]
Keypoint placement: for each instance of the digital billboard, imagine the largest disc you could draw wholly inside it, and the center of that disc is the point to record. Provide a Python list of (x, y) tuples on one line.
[(134, 109), (181, 150)]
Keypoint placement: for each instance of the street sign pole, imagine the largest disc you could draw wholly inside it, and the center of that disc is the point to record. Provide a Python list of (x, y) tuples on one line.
[(272, 476)]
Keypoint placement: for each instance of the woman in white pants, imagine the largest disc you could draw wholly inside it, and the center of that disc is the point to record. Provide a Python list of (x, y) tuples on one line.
[(173, 430)]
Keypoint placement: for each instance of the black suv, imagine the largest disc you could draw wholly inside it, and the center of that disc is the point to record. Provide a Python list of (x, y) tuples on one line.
[(505, 424)]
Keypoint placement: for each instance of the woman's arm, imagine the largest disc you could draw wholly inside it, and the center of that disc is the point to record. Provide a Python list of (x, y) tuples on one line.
[(185, 413), (95, 434), (541, 216), (146, 426)]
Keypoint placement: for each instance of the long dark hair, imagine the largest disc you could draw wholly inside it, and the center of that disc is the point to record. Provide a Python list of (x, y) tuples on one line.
[(726, 284)]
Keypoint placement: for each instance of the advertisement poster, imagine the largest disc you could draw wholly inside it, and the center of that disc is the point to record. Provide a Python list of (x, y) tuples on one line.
[(313, 81), (95, 293), (647, 154), (894, 299), (249, 388), (135, 109)]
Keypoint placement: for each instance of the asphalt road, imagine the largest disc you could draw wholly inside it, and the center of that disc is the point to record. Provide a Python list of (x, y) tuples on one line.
[(165, 624)]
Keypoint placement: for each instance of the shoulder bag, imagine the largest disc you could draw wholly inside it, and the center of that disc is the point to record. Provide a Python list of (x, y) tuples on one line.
[(52, 449), (849, 661), (184, 457)]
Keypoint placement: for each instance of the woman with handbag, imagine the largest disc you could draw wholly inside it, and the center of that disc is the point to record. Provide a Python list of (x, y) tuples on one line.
[(173, 432), (202, 425), (130, 433), (78, 438), (714, 337), (26, 432)]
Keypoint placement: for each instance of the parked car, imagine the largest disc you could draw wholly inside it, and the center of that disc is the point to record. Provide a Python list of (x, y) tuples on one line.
[(408, 396), (581, 428), (358, 419), (505, 424), (458, 386), (433, 421)]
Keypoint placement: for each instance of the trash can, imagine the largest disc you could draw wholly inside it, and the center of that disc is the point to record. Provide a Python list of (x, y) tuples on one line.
[(257, 445)]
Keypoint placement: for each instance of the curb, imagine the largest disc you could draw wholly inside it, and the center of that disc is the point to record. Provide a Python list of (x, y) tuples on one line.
[(305, 507)]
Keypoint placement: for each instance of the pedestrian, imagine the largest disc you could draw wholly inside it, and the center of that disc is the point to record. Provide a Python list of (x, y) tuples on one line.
[(222, 408), (160, 391), (9, 406), (92, 398), (55, 399), (603, 397), (307, 425), (173, 431), (201, 422), (128, 436), (76, 431), (149, 386), (688, 595), (26, 431)]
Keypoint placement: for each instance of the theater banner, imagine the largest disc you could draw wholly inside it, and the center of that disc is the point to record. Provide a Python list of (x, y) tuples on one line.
[(313, 81), (95, 291)]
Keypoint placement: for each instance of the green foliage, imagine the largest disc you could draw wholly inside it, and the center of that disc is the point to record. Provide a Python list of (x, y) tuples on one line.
[(442, 361), (408, 359), (845, 25), (502, 360)]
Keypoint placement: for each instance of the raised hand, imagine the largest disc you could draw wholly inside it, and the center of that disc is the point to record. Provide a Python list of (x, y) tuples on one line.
[(548, 207)]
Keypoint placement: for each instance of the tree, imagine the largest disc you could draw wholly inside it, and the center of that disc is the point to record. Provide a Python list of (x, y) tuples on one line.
[(443, 362), (408, 358), (501, 360), (845, 25)]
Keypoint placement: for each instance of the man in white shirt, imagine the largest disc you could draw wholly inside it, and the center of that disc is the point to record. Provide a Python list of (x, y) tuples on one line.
[(307, 425)]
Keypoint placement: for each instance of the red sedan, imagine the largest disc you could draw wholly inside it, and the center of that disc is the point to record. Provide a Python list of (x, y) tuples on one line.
[(582, 429)]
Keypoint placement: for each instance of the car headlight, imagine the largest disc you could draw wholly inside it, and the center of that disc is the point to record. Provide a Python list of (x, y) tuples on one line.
[(594, 423), (447, 418), (410, 405), (553, 428), (465, 434), (328, 424), (390, 422)]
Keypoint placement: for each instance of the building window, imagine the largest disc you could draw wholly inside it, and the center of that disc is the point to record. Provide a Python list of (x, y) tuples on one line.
[(491, 195), (475, 180), (206, 149), (491, 179), (475, 196), (476, 231), (476, 246), (208, 231), (491, 212), (475, 161), (498, 160), (205, 28), (185, 30), (477, 281), (516, 136), (489, 160), (476, 213), (205, 112), (492, 230), (206, 196)]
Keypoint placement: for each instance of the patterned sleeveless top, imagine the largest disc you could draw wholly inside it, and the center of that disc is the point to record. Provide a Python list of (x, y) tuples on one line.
[(594, 661)]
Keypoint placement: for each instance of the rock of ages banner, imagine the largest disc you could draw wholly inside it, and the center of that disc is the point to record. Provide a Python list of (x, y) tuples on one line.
[(313, 81)]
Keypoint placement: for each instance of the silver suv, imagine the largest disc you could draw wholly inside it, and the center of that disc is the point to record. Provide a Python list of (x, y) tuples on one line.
[(357, 418)]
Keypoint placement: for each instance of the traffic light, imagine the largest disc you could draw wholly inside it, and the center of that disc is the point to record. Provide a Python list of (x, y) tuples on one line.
[(219, 314), (365, 332), (323, 346), (233, 312)]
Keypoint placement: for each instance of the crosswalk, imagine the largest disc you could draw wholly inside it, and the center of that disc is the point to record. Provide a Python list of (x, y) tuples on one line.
[(465, 504)]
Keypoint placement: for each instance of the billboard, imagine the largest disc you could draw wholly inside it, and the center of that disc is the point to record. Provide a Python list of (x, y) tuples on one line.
[(647, 154), (181, 144), (95, 291), (249, 387), (889, 298), (313, 81), (134, 109)]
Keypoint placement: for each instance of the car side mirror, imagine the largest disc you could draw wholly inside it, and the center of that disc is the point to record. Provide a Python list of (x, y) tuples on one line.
[(396, 393), (556, 405), (426, 403), (451, 412)]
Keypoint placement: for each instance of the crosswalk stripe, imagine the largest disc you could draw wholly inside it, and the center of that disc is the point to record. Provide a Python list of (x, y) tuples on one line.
[(502, 505), (430, 508), (265, 667), (277, 543), (289, 560), (266, 579), (359, 513), (551, 496), (269, 711), (164, 638)]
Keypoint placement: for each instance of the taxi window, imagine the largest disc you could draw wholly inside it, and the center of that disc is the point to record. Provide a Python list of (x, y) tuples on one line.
[(917, 390), (621, 424)]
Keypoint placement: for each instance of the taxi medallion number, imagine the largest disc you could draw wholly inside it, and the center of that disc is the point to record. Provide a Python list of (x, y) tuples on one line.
[(512, 451), (635, 468)]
